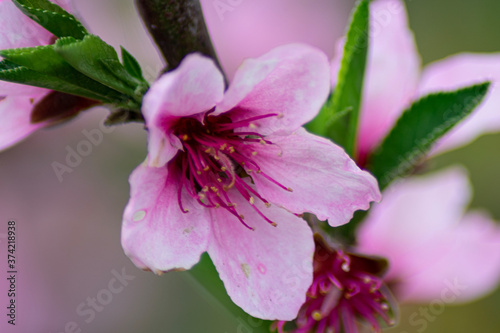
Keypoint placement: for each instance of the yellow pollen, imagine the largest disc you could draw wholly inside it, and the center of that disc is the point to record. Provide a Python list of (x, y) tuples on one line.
[(249, 170), (185, 137), (219, 180), (242, 216), (202, 196), (231, 150), (223, 169), (216, 158), (223, 146), (205, 189), (317, 315), (252, 125), (198, 172), (289, 189), (258, 171), (217, 205), (274, 224), (254, 153), (208, 150), (262, 142), (185, 211), (280, 116), (252, 200), (268, 204), (215, 189), (207, 168)]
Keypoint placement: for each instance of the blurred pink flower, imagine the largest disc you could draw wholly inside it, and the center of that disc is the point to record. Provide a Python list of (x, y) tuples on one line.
[(393, 80), (431, 244), (243, 29), (347, 289), (244, 154), (16, 100)]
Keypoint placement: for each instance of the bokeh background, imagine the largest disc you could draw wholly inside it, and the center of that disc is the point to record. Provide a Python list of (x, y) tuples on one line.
[(69, 232)]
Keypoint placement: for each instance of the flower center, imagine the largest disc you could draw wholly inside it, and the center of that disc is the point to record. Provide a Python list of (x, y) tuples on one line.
[(217, 159), (343, 291)]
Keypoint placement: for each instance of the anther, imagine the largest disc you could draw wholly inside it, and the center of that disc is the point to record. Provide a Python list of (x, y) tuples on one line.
[(205, 189), (252, 200), (223, 169), (185, 137), (254, 153), (207, 168), (289, 189), (317, 315)]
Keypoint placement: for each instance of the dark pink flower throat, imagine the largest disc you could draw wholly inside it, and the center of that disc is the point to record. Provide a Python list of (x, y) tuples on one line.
[(217, 159), (346, 289)]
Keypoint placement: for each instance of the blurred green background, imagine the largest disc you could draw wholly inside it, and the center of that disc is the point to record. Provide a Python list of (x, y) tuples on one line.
[(71, 229)]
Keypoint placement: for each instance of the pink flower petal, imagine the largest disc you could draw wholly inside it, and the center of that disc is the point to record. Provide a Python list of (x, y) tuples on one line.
[(457, 72), (291, 81), (15, 125), (156, 235), (266, 271), (18, 30), (392, 73), (247, 29), (324, 180), (469, 267), (407, 227), (193, 88)]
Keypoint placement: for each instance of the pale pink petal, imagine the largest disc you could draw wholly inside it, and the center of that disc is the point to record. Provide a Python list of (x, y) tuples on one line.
[(15, 125), (192, 89), (291, 81), (266, 271), (460, 71), (247, 29), (156, 234), (469, 268), (412, 220), (18, 30), (324, 180), (392, 73)]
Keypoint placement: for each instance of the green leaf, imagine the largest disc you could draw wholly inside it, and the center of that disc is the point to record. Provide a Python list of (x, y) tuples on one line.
[(419, 127), (338, 120), (12, 72), (131, 65), (52, 17), (206, 275), (45, 60), (99, 61)]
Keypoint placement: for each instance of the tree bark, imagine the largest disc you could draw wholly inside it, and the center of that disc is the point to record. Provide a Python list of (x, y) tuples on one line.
[(178, 28)]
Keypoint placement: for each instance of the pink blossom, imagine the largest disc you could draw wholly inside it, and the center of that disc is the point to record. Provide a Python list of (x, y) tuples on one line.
[(434, 247), (242, 29), (394, 80), (229, 173), (16, 100), (347, 289)]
